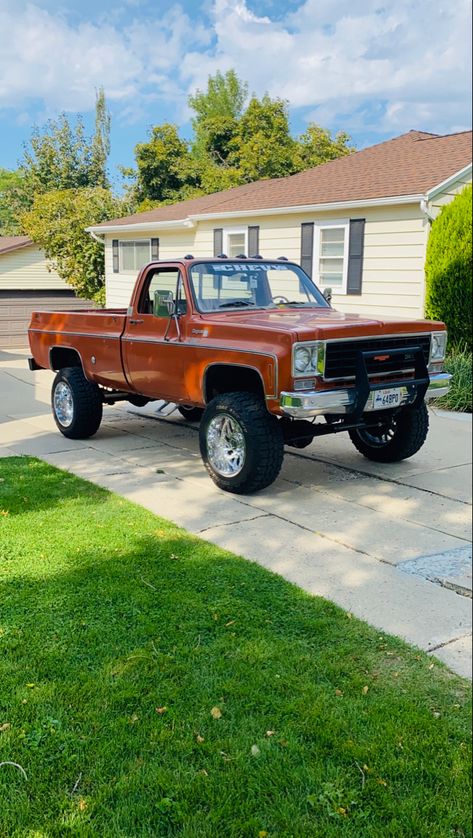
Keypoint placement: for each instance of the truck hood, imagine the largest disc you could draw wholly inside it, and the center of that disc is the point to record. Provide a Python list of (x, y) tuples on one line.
[(326, 324)]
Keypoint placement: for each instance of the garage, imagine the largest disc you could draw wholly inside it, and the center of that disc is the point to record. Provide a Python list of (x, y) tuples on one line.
[(27, 284)]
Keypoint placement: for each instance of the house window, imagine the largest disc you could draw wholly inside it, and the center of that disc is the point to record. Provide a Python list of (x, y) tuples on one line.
[(235, 242), (331, 255), (134, 254)]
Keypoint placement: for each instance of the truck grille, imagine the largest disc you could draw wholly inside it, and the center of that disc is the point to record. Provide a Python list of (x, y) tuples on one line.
[(340, 356)]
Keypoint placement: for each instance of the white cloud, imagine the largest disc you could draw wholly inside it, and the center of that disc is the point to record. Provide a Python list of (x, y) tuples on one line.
[(361, 66)]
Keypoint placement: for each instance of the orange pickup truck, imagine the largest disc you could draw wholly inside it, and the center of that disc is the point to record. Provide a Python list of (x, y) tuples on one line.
[(252, 350)]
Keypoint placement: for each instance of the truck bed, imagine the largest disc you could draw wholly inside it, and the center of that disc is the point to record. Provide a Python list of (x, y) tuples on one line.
[(93, 333)]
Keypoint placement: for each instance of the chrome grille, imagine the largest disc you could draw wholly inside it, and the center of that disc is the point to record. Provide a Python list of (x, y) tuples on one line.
[(340, 356)]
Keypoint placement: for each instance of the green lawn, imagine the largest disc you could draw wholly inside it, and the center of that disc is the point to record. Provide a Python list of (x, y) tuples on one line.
[(154, 685)]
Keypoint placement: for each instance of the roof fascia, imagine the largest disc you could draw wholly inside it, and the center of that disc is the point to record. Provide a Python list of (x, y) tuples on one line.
[(14, 247), (436, 190), (191, 220), (136, 227)]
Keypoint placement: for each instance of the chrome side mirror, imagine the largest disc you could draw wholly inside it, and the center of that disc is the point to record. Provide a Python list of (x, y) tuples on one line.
[(327, 292), (164, 305)]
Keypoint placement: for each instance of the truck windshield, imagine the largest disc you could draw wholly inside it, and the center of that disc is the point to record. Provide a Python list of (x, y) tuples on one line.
[(230, 285)]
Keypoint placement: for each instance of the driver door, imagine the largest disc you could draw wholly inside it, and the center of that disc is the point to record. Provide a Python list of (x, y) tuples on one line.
[(155, 346)]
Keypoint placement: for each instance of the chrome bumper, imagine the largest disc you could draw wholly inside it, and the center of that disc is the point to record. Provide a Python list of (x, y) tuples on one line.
[(320, 402)]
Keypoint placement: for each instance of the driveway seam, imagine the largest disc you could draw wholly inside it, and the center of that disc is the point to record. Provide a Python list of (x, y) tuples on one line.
[(448, 642), (351, 469), (233, 523)]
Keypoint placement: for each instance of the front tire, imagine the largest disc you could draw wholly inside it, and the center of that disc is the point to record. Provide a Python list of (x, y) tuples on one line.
[(241, 443), (399, 437), (76, 404)]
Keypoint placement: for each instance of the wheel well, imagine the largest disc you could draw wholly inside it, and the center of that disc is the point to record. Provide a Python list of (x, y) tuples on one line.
[(226, 378), (63, 356)]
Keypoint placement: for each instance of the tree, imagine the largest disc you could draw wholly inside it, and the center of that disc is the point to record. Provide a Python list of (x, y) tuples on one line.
[(232, 145), (57, 222), (263, 146), (448, 269), (100, 148), (61, 156), (165, 166), (316, 145), (217, 112), (10, 186)]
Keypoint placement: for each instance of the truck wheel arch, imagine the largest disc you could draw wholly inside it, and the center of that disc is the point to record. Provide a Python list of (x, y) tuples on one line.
[(227, 377), (61, 357)]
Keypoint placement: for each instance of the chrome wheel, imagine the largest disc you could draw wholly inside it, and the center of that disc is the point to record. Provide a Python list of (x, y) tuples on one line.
[(226, 449), (63, 404)]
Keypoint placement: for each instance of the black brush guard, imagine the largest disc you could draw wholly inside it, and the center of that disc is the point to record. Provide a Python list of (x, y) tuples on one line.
[(300, 432)]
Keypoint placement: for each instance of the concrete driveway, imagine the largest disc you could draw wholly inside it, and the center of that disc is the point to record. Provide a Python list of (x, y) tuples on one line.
[(391, 544)]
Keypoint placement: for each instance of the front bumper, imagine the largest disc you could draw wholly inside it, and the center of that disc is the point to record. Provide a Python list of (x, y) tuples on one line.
[(320, 402)]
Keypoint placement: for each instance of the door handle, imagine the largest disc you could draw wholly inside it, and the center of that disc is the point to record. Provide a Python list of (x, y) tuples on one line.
[(135, 322)]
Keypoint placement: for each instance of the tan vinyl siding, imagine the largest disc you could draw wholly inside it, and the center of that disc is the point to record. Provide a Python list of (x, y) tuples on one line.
[(448, 194), (393, 265), (26, 270)]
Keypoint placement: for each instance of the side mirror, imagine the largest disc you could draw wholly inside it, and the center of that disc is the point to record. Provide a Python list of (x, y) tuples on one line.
[(327, 292), (163, 305)]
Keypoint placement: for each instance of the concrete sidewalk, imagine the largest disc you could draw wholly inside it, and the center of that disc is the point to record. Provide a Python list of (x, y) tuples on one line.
[(391, 544)]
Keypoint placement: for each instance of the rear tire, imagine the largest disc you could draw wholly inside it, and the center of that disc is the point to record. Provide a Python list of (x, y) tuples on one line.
[(76, 404), (400, 437), (192, 414), (241, 443)]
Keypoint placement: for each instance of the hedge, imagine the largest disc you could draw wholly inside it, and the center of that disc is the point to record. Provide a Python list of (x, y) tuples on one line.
[(448, 269)]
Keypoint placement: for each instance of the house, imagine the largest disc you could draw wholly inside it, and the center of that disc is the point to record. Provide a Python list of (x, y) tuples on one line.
[(358, 224), (26, 283)]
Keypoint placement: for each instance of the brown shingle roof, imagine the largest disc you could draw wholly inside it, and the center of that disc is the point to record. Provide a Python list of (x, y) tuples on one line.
[(411, 164), (8, 243)]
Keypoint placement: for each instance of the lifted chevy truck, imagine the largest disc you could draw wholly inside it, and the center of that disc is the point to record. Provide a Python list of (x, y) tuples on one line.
[(252, 350)]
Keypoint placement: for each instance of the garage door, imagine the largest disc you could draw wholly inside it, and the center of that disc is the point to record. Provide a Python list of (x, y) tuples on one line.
[(16, 308)]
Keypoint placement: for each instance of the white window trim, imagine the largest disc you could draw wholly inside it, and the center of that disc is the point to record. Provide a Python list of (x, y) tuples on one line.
[(323, 225), (132, 271), (232, 231)]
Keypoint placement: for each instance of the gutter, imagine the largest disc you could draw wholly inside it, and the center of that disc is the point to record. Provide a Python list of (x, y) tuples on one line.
[(184, 223), (190, 221)]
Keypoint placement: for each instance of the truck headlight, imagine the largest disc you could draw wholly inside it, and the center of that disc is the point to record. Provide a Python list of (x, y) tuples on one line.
[(438, 346), (305, 359)]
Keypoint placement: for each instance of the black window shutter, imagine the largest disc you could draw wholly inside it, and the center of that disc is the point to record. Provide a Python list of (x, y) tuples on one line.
[(154, 250), (355, 256), (218, 241), (307, 248), (115, 256), (253, 241)]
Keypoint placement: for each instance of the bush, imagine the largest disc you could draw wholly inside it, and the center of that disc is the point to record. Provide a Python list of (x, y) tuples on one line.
[(448, 269), (459, 397)]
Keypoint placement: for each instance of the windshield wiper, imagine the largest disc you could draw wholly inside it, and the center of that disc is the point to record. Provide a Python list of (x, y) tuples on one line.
[(237, 304), (293, 303)]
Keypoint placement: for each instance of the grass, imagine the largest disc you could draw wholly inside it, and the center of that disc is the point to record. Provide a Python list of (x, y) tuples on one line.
[(154, 685), (459, 397)]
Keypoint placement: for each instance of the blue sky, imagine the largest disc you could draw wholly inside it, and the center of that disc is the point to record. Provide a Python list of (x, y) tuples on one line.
[(373, 68)]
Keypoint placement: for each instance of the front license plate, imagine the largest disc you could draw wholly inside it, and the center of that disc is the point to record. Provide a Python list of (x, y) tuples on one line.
[(383, 399)]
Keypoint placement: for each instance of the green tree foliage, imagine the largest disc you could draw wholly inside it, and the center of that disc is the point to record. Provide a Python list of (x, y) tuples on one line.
[(57, 222), (448, 269), (234, 142), (316, 145), (10, 189), (217, 112), (165, 166), (263, 146)]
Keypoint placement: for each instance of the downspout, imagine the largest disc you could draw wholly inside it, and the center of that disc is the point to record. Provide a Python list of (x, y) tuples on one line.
[(424, 208)]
